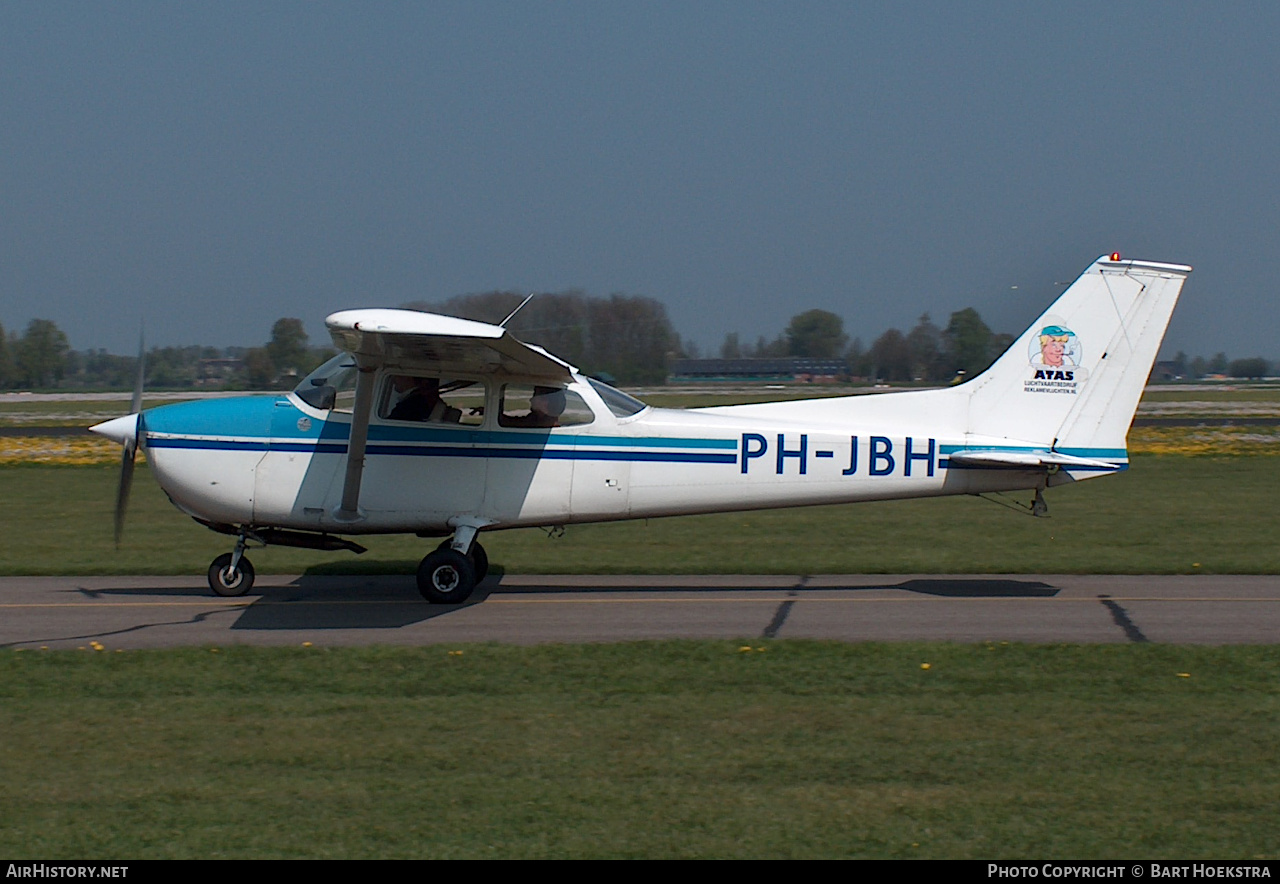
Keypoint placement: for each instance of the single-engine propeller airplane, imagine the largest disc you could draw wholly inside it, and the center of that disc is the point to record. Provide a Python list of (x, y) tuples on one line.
[(445, 427)]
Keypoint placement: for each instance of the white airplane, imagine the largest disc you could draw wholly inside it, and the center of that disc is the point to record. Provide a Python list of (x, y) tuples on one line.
[(444, 427)]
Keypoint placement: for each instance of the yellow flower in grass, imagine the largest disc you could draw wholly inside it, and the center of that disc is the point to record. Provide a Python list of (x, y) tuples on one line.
[(58, 450), (1194, 441)]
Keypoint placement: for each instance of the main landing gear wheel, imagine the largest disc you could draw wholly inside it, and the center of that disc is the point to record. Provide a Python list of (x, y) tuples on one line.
[(479, 558), (446, 577), (226, 582)]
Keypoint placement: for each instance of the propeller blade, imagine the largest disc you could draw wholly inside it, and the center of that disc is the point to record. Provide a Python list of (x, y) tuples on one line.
[(130, 455), (127, 460), (135, 404)]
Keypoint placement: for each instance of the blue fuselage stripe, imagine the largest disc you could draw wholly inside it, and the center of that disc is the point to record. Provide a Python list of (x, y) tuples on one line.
[(555, 454), (449, 451), (215, 444)]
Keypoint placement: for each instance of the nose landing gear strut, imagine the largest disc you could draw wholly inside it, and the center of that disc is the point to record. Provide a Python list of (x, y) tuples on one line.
[(231, 574)]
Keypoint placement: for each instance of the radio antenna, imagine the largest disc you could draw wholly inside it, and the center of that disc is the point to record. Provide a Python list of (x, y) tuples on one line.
[(504, 322)]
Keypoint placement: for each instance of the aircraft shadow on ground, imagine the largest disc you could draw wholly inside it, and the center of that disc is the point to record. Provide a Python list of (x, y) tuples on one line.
[(364, 602), (325, 602), (978, 588), (951, 587), (314, 611)]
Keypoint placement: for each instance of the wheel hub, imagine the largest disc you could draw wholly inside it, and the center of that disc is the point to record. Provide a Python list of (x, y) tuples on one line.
[(445, 578)]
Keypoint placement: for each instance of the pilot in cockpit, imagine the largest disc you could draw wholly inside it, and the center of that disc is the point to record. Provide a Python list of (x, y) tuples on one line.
[(420, 401)]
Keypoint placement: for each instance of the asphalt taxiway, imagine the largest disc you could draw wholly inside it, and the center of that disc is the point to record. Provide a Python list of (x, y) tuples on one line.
[(150, 612)]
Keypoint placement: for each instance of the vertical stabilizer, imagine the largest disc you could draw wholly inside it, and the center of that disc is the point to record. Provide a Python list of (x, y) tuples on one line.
[(1072, 381)]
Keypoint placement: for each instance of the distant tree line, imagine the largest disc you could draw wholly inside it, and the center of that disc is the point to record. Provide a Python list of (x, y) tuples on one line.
[(42, 358), (1197, 367), (938, 355), (286, 358), (626, 338), (926, 353)]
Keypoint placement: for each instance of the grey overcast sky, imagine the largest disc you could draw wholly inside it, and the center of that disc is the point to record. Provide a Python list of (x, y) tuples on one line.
[(211, 167)]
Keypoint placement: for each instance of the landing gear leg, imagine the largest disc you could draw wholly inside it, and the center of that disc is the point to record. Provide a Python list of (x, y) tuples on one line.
[(479, 558), (1038, 506), (231, 574)]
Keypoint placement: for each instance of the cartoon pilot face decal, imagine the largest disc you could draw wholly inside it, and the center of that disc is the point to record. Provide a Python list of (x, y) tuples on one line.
[(1055, 347)]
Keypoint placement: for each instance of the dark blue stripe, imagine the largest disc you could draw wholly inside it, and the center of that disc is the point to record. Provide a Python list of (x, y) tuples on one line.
[(251, 445), (382, 433), (319, 448), (452, 451), (216, 445), (555, 454)]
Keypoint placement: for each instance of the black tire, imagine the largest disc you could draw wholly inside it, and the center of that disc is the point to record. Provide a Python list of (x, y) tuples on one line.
[(479, 558), (446, 577), (226, 584)]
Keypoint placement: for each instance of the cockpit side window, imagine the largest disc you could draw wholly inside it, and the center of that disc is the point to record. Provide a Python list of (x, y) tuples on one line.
[(526, 405), (427, 399)]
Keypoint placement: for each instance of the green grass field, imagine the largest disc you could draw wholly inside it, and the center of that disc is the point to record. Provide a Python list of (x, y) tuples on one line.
[(1235, 392), (73, 413), (1166, 515), (673, 749)]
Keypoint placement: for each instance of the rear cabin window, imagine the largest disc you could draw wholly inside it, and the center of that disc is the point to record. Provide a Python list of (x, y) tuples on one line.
[(524, 405)]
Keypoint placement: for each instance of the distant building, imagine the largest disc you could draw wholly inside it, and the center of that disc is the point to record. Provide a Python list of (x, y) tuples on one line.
[(780, 370), (216, 372)]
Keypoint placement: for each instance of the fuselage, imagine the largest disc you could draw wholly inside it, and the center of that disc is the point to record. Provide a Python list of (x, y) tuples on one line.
[(441, 426), (279, 461)]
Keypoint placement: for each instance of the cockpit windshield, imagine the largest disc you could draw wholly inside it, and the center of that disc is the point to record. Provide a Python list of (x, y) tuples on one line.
[(331, 386), (620, 403)]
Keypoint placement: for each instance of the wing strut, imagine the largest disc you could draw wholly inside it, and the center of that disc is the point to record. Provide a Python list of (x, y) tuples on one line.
[(349, 510)]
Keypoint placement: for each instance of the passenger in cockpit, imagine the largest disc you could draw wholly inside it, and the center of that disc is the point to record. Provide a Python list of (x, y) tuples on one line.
[(545, 407)]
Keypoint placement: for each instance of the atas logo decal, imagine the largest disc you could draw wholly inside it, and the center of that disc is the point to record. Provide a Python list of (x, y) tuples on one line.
[(1056, 356)]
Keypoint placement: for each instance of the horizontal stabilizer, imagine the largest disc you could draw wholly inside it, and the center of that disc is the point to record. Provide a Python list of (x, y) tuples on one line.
[(988, 458)]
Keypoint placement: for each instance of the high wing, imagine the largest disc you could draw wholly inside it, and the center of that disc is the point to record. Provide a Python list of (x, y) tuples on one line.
[(444, 345)]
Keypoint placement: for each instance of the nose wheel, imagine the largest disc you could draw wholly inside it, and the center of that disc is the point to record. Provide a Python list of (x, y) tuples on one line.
[(231, 574), (228, 577)]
